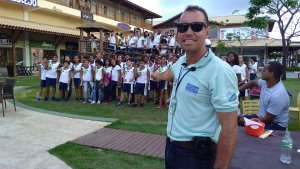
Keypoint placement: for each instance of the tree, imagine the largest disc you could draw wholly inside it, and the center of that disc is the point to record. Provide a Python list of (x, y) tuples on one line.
[(287, 13)]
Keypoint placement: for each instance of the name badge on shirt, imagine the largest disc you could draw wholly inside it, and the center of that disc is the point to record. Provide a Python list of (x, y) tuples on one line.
[(191, 88)]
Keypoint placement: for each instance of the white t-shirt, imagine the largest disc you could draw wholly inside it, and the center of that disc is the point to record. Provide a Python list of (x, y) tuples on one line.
[(123, 43), (164, 50), (142, 78), (243, 71), (140, 42), (112, 41), (87, 74), (172, 41), (115, 73), (237, 69), (98, 73), (151, 70), (43, 72), (162, 69), (128, 75), (146, 41), (64, 75), (52, 70), (253, 67), (156, 40), (77, 69), (150, 44), (132, 41), (107, 70)]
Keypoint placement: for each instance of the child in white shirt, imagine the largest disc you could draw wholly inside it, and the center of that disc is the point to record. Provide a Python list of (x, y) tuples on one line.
[(64, 81), (128, 80), (99, 72), (163, 84), (142, 81), (86, 76)]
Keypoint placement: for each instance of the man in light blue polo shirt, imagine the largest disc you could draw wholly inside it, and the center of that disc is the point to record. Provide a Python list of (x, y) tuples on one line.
[(204, 100), (274, 99)]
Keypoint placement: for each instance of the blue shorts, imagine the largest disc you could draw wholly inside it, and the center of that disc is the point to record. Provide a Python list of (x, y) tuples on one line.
[(126, 88), (77, 82), (139, 88), (162, 84), (43, 83), (63, 86), (153, 85), (50, 82)]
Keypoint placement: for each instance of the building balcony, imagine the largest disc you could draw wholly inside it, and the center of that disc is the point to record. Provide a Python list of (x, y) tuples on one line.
[(100, 9)]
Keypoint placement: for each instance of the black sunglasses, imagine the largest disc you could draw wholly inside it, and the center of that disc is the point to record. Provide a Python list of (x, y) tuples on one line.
[(195, 26)]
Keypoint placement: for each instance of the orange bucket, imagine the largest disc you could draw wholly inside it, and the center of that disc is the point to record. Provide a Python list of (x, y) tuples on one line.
[(255, 130)]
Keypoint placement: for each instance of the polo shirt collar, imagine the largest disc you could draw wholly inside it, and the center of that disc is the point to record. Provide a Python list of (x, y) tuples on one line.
[(203, 61)]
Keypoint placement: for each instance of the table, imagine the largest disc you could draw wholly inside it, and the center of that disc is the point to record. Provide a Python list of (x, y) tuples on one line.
[(256, 153)]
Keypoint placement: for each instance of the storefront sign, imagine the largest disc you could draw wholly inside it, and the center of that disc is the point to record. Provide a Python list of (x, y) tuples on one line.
[(87, 16), (124, 26), (43, 45), (32, 3)]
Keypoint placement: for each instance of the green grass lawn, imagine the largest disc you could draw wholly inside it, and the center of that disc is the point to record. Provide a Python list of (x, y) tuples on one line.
[(80, 157), (24, 80), (147, 119)]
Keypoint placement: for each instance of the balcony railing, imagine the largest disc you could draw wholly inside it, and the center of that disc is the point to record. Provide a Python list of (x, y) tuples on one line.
[(98, 8)]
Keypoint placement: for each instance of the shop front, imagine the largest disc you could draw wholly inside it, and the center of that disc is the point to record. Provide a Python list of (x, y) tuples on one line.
[(71, 50), (39, 49)]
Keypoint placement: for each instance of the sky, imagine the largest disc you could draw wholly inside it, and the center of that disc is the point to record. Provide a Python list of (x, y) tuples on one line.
[(170, 8)]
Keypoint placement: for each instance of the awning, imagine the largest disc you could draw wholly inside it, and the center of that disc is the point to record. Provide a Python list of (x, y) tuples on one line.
[(11, 23)]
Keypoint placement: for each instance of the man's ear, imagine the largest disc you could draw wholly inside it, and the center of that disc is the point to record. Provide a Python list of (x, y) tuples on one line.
[(207, 31)]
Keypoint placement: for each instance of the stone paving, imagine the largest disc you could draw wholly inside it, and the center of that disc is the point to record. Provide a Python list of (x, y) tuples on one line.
[(26, 136)]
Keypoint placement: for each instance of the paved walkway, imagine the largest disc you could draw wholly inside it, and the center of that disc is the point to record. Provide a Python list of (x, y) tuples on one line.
[(26, 136)]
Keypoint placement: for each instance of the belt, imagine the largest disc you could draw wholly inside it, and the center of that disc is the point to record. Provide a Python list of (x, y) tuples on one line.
[(184, 144)]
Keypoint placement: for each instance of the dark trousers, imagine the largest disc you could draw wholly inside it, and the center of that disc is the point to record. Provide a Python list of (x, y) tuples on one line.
[(113, 87), (70, 89), (252, 76), (177, 157), (268, 126), (106, 92)]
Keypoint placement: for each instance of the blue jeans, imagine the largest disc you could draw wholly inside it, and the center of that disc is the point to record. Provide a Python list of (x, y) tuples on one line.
[(96, 88), (177, 157), (87, 85)]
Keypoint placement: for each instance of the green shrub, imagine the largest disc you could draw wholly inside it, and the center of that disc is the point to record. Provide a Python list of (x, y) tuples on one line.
[(292, 69)]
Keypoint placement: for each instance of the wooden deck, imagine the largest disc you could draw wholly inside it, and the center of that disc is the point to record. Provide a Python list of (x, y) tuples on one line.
[(126, 141)]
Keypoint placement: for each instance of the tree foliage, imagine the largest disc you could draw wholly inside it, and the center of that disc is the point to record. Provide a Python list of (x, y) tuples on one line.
[(287, 13)]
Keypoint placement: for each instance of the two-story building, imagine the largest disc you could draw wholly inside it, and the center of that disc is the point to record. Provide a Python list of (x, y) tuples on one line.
[(31, 29), (237, 37)]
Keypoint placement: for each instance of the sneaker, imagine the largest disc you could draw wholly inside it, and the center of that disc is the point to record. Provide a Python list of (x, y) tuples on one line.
[(77, 98), (46, 99), (128, 104), (98, 102), (133, 105), (142, 105), (112, 101), (37, 99), (84, 102), (158, 106), (156, 103), (119, 104), (66, 99), (93, 102)]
